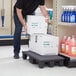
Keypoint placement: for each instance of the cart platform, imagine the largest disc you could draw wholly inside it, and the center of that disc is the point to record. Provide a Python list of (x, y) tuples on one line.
[(42, 60)]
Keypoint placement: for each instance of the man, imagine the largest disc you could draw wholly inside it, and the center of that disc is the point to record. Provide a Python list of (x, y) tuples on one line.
[(21, 9)]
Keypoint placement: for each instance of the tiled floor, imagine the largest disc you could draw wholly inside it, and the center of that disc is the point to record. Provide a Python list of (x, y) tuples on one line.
[(20, 67)]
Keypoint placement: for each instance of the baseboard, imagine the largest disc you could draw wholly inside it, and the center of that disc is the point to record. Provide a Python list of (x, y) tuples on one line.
[(10, 42)]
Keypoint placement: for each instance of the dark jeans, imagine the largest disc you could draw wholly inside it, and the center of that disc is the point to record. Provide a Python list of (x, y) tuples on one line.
[(17, 34)]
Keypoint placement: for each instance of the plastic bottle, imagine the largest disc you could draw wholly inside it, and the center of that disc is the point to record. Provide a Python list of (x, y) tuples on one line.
[(74, 11), (63, 44), (68, 16), (67, 43), (63, 15), (75, 14), (51, 14), (72, 15), (72, 48)]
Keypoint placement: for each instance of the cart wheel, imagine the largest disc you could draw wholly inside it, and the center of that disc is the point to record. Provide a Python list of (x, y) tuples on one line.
[(61, 63), (24, 56), (41, 64), (51, 64), (31, 60), (34, 61)]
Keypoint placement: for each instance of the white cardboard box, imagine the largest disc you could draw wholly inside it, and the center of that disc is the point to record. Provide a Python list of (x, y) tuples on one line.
[(44, 44), (36, 24)]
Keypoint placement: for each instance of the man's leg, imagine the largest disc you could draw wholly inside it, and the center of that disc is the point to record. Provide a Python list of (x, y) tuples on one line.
[(17, 36)]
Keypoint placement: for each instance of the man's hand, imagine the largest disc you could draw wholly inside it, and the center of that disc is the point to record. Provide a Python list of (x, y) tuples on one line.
[(19, 13), (47, 19), (45, 13), (25, 28)]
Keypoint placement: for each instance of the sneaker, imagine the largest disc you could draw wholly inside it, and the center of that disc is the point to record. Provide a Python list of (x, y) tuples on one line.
[(16, 56)]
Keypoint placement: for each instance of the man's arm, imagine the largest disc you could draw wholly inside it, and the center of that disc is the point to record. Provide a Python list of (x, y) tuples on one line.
[(45, 12), (19, 14)]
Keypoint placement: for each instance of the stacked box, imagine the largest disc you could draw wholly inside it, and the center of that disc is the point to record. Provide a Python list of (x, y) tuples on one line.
[(44, 44), (36, 24)]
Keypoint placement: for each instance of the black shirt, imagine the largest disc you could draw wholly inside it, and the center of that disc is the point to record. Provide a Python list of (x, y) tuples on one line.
[(28, 6)]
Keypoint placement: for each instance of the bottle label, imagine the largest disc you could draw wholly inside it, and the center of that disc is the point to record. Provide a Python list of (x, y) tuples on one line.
[(74, 50), (68, 18), (72, 18), (63, 18), (62, 47), (67, 48)]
